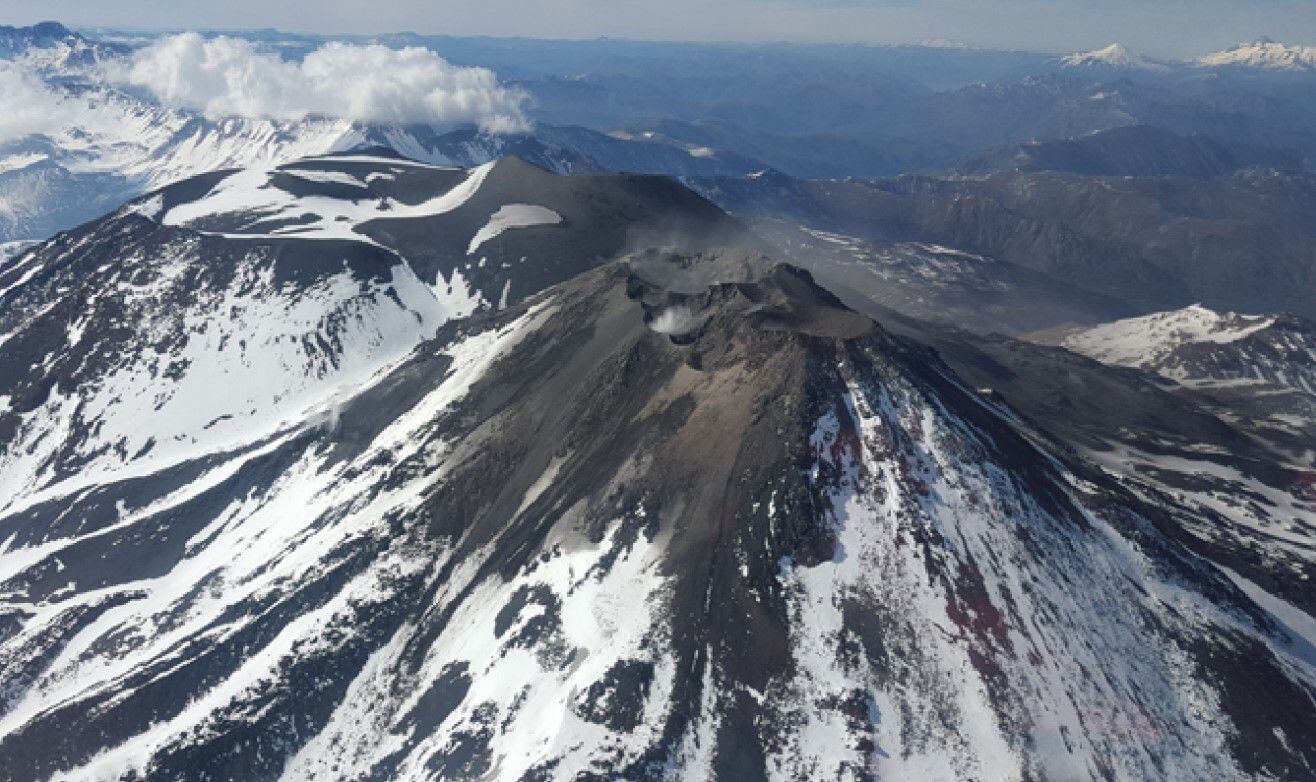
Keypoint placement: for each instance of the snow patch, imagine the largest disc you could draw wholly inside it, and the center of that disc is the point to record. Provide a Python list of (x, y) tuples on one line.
[(251, 194), (512, 216)]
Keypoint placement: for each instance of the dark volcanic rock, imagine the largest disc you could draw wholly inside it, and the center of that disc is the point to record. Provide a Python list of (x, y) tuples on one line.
[(680, 513)]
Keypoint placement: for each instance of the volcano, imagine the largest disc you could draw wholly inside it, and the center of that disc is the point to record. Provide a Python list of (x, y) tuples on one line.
[(357, 468)]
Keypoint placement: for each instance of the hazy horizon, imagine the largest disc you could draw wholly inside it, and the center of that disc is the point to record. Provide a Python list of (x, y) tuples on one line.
[(1164, 30)]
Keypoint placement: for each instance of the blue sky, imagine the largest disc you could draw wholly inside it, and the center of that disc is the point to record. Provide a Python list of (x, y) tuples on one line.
[(1168, 28)]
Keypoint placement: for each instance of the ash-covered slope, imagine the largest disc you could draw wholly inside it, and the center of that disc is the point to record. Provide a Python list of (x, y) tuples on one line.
[(1242, 242), (219, 309), (933, 283), (679, 517)]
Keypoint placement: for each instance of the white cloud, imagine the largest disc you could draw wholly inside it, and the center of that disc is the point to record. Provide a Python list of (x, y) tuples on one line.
[(222, 77), (30, 106)]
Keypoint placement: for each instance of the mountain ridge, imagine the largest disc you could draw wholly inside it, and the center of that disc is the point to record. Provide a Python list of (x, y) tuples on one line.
[(351, 451), (1263, 54), (383, 263), (675, 512)]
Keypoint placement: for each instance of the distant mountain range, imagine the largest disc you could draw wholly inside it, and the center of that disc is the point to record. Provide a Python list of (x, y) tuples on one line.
[(901, 109), (51, 44), (1263, 55), (1078, 193), (1132, 150)]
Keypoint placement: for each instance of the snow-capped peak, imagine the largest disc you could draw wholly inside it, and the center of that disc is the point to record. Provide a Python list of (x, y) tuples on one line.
[(1117, 55), (1264, 54), (1148, 339), (50, 46)]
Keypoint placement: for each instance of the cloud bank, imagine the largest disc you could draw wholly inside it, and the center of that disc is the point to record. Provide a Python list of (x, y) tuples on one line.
[(30, 106), (224, 77)]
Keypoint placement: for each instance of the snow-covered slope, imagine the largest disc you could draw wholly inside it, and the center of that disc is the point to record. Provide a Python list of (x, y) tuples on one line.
[(1258, 368), (225, 306), (122, 147), (680, 516), (1264, 54), (84, 142), (1202, 348), (88, 141), (119, 146), (52, 46), (522, 553), (1153, 341)]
